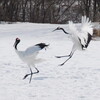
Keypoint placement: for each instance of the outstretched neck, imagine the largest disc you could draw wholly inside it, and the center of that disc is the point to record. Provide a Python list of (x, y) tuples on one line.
[(64, 31)]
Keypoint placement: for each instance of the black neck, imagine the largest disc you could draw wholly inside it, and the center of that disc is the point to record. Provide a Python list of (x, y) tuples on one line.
[(16, 43), (16, 46), (64, 31)]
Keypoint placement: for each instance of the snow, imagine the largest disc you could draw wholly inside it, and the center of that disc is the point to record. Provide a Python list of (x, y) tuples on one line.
[(78, 79)]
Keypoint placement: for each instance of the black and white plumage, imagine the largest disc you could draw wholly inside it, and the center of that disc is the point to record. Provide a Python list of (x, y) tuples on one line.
[(81, 36), (29, 55)]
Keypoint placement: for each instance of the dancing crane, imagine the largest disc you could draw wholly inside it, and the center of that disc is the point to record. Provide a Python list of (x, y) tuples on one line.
[(29, 56), (81, 36)]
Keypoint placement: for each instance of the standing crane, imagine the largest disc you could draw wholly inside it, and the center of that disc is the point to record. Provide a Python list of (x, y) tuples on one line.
[(29, 56)]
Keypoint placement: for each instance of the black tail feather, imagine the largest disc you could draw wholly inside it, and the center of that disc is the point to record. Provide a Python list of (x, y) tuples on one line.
[(88, 40), (42, 45)]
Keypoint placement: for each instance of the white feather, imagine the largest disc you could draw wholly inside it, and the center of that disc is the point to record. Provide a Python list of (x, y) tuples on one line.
[(29, 55), (86, 25), (83, 31), (81, 36)]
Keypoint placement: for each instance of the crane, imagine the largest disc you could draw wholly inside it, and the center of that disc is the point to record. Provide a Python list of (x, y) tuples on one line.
[(29, 56), (80, 36)]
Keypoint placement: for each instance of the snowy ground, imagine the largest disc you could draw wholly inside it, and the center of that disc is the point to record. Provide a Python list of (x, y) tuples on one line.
[(78, 79)]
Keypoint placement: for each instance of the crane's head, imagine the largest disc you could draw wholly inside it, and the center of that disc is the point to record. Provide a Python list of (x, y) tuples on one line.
[(58, 28), (17, 40)]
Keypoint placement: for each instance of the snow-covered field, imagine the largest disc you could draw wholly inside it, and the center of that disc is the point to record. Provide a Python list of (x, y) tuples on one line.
[(78, 79)]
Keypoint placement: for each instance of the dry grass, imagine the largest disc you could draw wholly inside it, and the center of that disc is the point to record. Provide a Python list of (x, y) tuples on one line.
[(96, 30)]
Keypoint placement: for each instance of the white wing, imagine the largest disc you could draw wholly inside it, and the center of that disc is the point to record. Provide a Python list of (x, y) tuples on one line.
[(32, 51), (86, 26), (75, 33), (29, 53), (86, 29), (84, 32), (73, 29)]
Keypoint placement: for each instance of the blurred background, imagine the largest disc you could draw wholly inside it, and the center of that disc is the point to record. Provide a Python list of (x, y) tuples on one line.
[(49, 11)]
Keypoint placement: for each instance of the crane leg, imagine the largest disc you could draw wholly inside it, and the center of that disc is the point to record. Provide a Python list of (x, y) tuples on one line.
[(31, 73), (65, 60), (69, 56)]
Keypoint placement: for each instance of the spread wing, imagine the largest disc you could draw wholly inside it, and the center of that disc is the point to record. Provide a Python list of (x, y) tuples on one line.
[(75, 33), (86, 29), (86, 25), (84, 32)]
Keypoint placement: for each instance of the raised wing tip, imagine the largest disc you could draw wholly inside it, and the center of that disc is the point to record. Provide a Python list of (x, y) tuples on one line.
[(86, 25), (70, 22), (85, 19)]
